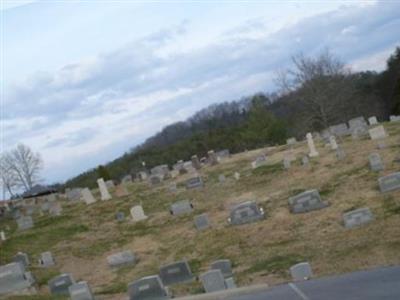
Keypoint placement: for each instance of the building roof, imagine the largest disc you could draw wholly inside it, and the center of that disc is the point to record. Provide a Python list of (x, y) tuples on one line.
[(38, 190)]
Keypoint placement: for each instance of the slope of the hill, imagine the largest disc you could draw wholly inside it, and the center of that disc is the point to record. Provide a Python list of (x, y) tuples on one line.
[(84, 236)]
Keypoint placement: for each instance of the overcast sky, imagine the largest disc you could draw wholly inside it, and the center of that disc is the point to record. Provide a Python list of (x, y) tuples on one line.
[(84, 81)]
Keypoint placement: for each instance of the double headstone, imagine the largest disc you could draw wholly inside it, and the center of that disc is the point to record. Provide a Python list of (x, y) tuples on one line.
[(389, 182), (60, 284), (46, 260), (13, 278), (105, 195), (146, 288), (137, 213), (201, 222), (375, 162), (80, 291), (87, 196), (377, 133), (246, 212), (357, 217), (306, 201), (181, 207), (194, 182), (121, 259), (25, 222), (177, 272), (301, 271)]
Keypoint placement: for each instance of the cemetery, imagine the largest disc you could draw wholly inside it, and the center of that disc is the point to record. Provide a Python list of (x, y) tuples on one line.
[(272, 215)]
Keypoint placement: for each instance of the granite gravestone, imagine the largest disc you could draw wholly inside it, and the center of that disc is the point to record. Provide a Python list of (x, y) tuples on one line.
[(196, 162), (213, 281), (46, 260), (155, 179), (224, 265), (201, 222), (194, 182), (22, 258), (372, 121), (359, 132), (389, 182), (230, 283), (25, 222), (357, 122), (73, 194), (377, 133), (177, 272), (311, 146), (212, 158), (375, 162), (301, 271), (339, 130), (357, 217), (87, 196), (305, 202), (105, 195), (13, 278), (137, 213), (181, 207), (121, 259), (305, 161), (246, 212), (80, 291), (147, 288), (59, 285)]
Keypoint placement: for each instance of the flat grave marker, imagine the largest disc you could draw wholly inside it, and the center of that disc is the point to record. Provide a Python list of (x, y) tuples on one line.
[(246, 212), (357, 217)]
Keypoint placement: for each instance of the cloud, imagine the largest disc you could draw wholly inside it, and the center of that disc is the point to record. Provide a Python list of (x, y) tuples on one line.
[(92, 110)]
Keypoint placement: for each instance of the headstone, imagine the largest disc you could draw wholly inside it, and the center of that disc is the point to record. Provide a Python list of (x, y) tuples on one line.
[(213, 281), (194, 182), (212, 158), (339, 130), (259, 161), (73, 194), (142, 175), (246, 212), (147, 288), (357, 217), (121, 191), (236, 175), (340, 154), (372, 121), (377, 133), (120, 216), (305, 202), (230, 283), (110, 184), (55, 209), (46, 260), (172, 187), (181, 207), (356, 122), (177, 272), (196, 162), (13, 278), (291, 141), (301, 271), (201, 222), (2, 235), (80, 291), (375, 162), (174, 173), (59, 285), (395, 118), (389, 182), (105, 195), (332, 142), (286, 163), (305, 161), (161, 170), (126, 179), (221, 178), (223, 154), (137, 213), (121, 259), (87, 196), (155, 179), (311, 146), (25, 222), (22, 258), (224, 265), (358, 132)]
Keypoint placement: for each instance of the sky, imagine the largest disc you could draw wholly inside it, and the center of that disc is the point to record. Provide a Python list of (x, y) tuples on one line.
[(82, 82)]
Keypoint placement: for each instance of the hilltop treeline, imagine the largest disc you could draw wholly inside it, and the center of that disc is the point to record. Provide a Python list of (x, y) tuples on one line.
[(315, 93)]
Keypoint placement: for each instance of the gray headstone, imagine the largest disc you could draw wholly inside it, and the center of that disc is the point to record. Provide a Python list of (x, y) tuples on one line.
[(356, 122), (137, 213), (223, 154), (14, 278), (181, 207), (104, 193), (230, 283), (340, 154), (359, 131), (394, 118), (147, 288), (22, 258), (372, 120), (213, 281), (194, 182), (357, 217), (73, 194), (25, 222), (375, 162), (377, 133), (301, 271), (45, 206), (224, 265), (161, 170), (246, 212), (306, 201), (109, 184), (339, 130), (121, 259), (80, 291), (87, 196), (201, 222), (212, 157), (390, 182), (305, 160), (46, 260), (155, 179), (59, 285), (177, 272), (120, 216), (286, 163), (221, 178), (196, 162)]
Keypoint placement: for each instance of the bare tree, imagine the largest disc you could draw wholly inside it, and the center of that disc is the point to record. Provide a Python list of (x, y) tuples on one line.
[(323, 85), (22, 166), (7, 177)]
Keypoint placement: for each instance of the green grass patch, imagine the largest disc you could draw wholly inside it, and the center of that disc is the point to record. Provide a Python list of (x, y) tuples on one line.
[(268, 169), (115, 287), (390, 206), (279, 264)]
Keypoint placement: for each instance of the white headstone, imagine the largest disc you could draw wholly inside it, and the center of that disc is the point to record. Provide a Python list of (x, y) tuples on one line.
[(87, 196), (332, 141), (377, 133), (372, 120), (311, 146), (105, 195), (236, 175), (137, 213), (2, 236)]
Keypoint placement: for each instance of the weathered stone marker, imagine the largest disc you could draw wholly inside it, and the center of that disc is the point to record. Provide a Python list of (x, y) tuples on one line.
[(181, 207), (137, 213), (224, 265), (121, 259), (87, 196), (372, 121), (332, 142), (201, 222), (13, 278), (46, 260), (246, 212), (194, 182), (357, 217), (25, 222), (259, 161), (59, 285), (311, 146), (375, 162), (150, 287), (177, 272), (105, 195), (22, 258), (390, 182), (80, 291), (377, 133), (213, 281), (306, 201)]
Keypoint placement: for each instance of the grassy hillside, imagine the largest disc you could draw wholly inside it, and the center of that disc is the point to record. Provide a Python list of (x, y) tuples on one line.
[(84, 236)]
